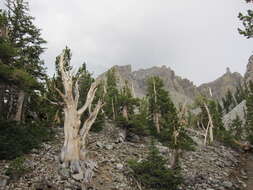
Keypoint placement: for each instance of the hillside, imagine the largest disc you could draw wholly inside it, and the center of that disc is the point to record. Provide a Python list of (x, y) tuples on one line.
[(201, 169)]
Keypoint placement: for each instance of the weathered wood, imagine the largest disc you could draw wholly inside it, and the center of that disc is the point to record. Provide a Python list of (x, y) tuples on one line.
[(210, 123), (74, 147), (20, 103), (156, 115)]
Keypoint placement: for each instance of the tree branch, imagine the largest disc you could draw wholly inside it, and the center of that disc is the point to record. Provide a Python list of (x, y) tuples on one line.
[(61, 94), (76, 90), (89, 98), (92, 117)]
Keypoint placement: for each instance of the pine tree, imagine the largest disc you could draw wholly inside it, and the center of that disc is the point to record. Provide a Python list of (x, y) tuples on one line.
[(20, 63), (162, 109), (217, 119), (11, 76), (26, 38), (240, 93), (236, 127), (127, 102), (247, 21), (171, 131), (229, 101), (134, 115), (112, 93)]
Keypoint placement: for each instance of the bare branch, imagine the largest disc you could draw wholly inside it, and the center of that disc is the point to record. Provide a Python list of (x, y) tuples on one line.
[(52, 102), (89, 98), (76, 90), (92, 117), (211, 122), (61, 94)]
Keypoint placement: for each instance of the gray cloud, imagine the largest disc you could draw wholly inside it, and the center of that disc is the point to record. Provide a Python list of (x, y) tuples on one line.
[(198, 39)]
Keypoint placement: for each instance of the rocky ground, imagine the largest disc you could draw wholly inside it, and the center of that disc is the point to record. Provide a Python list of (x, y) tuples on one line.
[(208, 168)]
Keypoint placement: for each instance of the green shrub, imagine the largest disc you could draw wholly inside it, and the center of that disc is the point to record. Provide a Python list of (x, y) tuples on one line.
[(152, 173), (137, 125), (99, 123), (17, 168), (17, 139)]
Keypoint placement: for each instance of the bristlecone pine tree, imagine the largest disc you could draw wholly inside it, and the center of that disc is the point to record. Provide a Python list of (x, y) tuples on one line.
[(74, 148)]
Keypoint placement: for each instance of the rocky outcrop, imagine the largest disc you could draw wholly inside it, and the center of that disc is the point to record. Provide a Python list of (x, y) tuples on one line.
[(218, 88), (239, 110), (181, 90), (249, 72)]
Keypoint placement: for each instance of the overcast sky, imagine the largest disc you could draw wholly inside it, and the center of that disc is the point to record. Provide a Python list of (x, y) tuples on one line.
[(196, 38)]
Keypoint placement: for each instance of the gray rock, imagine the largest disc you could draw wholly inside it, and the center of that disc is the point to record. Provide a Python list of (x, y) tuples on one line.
[(133, 138), (78, 176), (99, 144), (119, 166), (108, 147), (162, 149), (3, 181), (227, 184), (64, 173), (239, 110)]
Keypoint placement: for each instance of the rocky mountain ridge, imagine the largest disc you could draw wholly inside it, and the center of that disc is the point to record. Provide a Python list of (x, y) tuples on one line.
[(219, 87), (181, 89)]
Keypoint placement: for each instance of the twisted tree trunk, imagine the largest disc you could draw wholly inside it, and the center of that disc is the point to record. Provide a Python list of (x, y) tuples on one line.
[(20, 103), (74, 147)]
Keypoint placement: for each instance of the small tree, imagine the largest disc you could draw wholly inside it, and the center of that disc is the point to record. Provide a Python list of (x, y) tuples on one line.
[(236, 127), (161, 108), (127, 120), (168, 125), (127, 102), (152, 173), (206, 119), (26, 38), (74, 148), (112, 94)]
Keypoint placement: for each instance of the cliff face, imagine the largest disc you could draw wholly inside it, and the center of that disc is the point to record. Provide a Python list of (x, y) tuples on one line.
[(218, 88), (249, 72), (172, 82), (181, 90)]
